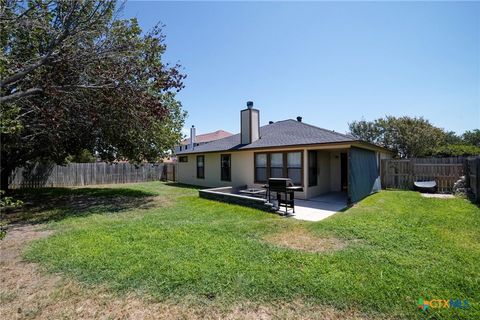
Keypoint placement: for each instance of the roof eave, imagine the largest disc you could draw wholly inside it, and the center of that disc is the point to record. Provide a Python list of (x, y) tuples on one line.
[(346, 142), (372, 146)]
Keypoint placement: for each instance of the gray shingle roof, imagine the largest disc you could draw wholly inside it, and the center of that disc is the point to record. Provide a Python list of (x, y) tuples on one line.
[(279, 134)]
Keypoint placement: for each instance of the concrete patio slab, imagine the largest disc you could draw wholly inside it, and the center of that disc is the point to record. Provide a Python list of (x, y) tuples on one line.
[(331, 197), (438, 195), (319, 208)]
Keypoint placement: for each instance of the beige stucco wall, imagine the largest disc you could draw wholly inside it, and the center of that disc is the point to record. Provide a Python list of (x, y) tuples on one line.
[(242, 170), (335, 173)]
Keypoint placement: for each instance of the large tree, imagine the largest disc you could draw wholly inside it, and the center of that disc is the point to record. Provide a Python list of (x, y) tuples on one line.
[(74, 77), (472, 137), (406, 136)]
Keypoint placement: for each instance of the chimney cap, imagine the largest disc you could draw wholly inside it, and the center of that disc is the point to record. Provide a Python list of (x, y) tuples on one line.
[(193, 126), (299, 119), (249, 104)]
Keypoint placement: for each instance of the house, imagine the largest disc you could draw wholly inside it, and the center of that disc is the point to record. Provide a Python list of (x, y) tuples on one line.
[(201, 139), (320, 160)]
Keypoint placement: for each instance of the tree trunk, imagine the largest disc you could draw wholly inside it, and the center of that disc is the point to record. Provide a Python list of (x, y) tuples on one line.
[(5, 174)]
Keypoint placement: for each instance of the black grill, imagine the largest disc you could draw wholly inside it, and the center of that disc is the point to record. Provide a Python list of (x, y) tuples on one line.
[(285, 197)]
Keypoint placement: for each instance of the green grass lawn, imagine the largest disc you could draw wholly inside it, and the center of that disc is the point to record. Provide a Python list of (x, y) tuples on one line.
[(165, 241)]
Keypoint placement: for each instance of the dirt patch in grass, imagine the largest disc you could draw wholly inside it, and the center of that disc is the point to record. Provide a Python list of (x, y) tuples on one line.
[(301, 239), (28, 293)]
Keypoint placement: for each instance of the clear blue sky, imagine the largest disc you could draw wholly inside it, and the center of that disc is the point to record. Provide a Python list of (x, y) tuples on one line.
[(331, 63)]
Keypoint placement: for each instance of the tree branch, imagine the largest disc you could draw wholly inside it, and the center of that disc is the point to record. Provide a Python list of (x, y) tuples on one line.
[(21, 74), (85, 86), (68, 22), (21, 94)]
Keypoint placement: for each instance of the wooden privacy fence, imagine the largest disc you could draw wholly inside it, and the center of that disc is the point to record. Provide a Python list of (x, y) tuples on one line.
[(82, 174), (400, 174)]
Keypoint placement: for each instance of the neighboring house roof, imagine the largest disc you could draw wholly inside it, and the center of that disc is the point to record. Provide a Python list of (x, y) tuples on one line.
[(207, 137), (279, 134)]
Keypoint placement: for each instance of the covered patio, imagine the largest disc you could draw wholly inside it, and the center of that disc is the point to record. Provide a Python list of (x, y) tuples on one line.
[(325, 182)]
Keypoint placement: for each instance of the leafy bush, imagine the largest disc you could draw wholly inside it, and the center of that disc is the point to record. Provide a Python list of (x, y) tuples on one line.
[(455, 150), (6, 202), (84, 156)]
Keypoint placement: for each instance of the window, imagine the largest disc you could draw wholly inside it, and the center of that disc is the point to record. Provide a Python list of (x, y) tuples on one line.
[(200, 167), (261, 167), (279, 165), (276, 165), (183, 159), (312, 168), (294, 167), (225, 167)]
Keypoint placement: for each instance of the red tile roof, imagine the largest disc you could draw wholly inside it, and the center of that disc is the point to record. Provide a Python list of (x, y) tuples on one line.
[(207, 137)]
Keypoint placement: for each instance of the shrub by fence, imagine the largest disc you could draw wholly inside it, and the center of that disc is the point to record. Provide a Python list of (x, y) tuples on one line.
[(401, 173), (82, 174)]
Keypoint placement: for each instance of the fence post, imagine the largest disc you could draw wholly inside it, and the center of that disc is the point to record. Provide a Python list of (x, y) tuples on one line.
[(477, 179), (466, 172), (411, 170)]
